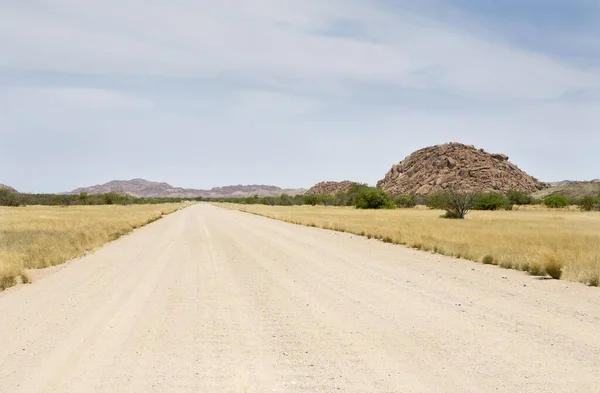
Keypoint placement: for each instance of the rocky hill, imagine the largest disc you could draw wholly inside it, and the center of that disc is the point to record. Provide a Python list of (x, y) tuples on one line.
[(5, 187), (330, 187), (571, 189), (458, 167), (150, 189)]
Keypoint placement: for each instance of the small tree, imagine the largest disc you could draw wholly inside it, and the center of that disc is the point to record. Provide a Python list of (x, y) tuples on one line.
[(456, 204), (327, 199)]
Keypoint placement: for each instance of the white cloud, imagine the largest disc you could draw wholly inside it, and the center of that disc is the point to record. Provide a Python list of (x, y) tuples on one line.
[(268, 38)]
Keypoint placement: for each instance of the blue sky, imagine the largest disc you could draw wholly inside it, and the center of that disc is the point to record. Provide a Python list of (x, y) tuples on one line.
[(202, 94)]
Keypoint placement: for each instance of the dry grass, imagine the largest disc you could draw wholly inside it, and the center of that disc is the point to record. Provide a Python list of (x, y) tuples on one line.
[(35, 237), (560, 243)]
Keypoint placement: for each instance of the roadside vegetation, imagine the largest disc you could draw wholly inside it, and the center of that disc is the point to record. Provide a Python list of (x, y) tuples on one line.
[(545, 238), (34, 237), (456, 204), (12, 198)]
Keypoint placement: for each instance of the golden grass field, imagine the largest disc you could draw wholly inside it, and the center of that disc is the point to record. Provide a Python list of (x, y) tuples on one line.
[(35, 237), (534, 240)]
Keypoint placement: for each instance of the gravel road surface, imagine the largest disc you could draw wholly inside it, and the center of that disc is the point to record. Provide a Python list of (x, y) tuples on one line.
[(212, 300)]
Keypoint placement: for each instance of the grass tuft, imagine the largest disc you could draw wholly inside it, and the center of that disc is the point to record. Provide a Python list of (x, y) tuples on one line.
[(488, 260), (25, 279), (7, 282), (553, 267), (536, 269), (505, 265)]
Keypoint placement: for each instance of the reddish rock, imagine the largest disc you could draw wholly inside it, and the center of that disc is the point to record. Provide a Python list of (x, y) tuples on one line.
[(458, 167), (330, 187)]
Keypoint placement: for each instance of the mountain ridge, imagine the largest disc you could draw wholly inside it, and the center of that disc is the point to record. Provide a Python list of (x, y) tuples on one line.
[(151, 189)]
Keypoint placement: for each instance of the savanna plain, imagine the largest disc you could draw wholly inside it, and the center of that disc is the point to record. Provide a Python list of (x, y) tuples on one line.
[(561, 243), (34, 237)]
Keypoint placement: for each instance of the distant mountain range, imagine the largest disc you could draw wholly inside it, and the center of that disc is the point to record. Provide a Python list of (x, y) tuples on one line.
[(564, 182), (150, 189), (571, 189)]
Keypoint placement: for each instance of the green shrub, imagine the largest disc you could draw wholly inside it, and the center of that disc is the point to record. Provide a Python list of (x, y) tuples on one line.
[(327, 200), (372, 198), (519, 198), (436, 200), (589, 203), (251, 200), (490, 201), (285, 200), (350, 197), (312, 200), (9, 198), (269, 201), (405, 201), (556, 201)]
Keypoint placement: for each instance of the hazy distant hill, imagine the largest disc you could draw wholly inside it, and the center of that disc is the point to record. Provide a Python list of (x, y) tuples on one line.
[(150, 189), (571, 189)]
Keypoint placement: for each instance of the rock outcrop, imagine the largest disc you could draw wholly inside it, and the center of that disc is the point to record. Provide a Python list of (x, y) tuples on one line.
[(457, 167), (8, 188), (330, 187)]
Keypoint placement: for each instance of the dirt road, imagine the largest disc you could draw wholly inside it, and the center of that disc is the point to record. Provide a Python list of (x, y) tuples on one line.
[(211, 300)]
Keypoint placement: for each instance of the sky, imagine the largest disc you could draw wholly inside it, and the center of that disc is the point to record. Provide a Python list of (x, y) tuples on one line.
[(202, 93)]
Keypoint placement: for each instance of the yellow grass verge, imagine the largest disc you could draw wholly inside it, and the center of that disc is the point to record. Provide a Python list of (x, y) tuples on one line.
[(562, 243), (35, 237)]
